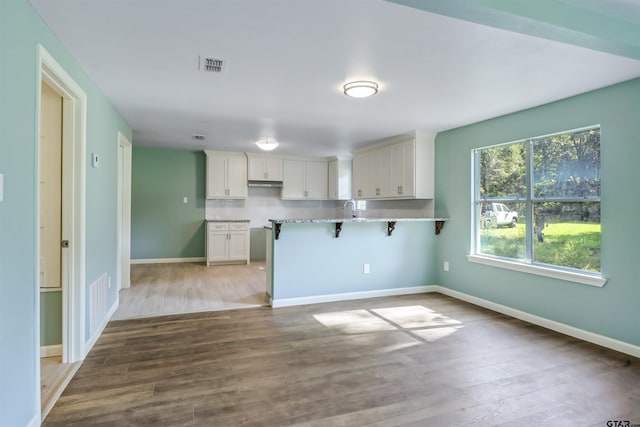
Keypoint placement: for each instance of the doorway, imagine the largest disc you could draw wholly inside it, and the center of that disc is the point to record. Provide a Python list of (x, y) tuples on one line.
[(124, 212), (60, 236)]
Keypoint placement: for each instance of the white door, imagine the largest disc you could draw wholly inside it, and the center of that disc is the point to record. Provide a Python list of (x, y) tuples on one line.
[(50, 188)]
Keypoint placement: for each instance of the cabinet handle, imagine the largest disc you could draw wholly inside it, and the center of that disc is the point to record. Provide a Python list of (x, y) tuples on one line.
[(306, 193), (399, 189), (266, 175), (377, 191), (359, 193)]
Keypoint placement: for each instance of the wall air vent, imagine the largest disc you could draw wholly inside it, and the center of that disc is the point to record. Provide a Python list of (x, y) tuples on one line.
[(212, 64)]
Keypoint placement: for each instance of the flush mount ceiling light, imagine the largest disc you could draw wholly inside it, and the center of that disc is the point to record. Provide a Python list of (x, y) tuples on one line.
[(267, 144), (360, 89)]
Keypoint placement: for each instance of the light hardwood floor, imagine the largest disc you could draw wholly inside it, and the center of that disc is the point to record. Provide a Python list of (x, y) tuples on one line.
[(160, 289), (416, 360)]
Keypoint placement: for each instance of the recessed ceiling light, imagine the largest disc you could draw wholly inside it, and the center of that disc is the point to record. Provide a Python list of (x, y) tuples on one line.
[(360, 89), (267, 144)]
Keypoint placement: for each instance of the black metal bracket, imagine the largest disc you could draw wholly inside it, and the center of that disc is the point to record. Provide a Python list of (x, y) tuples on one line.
[(278, 227), (391, 225), (338, 229), (439, 225)]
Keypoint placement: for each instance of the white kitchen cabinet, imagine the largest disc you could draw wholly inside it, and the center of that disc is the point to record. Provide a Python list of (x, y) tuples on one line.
[(305, 179), (371, 173), (398, 168), (265, 168), (340, 179), (402, 169), (226, 175), (227, 242)]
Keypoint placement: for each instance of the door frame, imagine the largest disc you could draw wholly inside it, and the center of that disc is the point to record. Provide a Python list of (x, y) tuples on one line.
[(124, 212), (74, 116)]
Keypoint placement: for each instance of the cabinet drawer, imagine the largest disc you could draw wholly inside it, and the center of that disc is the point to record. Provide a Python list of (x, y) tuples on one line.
[(218, 226), (238, 226)]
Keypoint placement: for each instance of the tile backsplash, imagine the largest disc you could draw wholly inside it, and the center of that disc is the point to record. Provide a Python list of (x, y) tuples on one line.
[(265, 203)]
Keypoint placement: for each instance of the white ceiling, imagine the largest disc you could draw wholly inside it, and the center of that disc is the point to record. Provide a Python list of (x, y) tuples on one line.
[(287, 62)]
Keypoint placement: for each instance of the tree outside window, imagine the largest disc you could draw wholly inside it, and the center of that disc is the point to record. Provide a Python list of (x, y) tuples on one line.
[(537, 201)]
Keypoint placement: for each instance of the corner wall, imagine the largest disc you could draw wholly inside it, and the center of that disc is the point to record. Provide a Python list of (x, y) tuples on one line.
[(610, 311), (162, 226), (21, 30)]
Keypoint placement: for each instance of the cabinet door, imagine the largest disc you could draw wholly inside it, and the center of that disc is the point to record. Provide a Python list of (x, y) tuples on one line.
[(238, 245), (237, 177), (317, 180), (256, 169), (379, 172), (293, 186), (360, 170), (333, 180), (217, 248), (408, 184), (216, 176), (402, 174), (273, 168)]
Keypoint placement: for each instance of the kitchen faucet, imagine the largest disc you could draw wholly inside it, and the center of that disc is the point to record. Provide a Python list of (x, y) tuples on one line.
[(353, 207)]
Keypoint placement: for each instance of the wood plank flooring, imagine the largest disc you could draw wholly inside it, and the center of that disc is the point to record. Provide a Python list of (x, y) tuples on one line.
[(418, 360), (54, 377), (160, 289)]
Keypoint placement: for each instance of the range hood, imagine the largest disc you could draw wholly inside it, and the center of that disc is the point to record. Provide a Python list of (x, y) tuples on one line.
[(265, 184)]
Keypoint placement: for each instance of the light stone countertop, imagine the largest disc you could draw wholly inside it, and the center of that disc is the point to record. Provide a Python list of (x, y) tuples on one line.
[(227, 220), (335, 220)]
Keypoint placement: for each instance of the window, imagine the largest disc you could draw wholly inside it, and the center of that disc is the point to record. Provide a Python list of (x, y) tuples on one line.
[(537, 202)]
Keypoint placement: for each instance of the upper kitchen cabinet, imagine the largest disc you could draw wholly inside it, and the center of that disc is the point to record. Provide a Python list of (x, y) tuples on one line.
[(340, 179), (397, 168), (226, 175), (265, 168), (305, 179)]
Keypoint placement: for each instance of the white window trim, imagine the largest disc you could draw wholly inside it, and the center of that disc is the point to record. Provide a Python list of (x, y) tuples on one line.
[(539, 270)]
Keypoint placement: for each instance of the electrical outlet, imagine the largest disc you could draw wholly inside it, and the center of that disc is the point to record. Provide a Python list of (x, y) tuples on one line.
[(446, 266), (366, 269), (185, 200)]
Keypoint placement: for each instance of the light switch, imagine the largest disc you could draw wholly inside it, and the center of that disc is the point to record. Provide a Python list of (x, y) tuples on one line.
[(185, 200), (1, 187), (95, 160)]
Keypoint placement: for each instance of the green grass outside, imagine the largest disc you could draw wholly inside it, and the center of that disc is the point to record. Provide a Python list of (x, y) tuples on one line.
[(567, 244)]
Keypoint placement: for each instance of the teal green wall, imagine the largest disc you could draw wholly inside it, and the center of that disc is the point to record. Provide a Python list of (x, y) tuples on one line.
[(309, 261), (162, 226), (258, 244), (611, 311), (21, 30), (51, 318), (612, 28)]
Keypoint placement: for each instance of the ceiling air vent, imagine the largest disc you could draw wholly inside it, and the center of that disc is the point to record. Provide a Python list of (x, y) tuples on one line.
[(198, 136), (212, 64)]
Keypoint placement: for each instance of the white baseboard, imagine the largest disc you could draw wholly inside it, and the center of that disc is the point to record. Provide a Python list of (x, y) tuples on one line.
[(572, 331), (51, 350), (89, 344), (286, 302), (166, 260), (34, 422)]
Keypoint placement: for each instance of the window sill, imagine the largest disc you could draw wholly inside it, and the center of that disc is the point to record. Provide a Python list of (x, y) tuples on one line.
[(570, 276)]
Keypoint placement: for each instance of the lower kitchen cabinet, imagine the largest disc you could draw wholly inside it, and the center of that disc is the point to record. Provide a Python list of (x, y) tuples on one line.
[(227, 242)]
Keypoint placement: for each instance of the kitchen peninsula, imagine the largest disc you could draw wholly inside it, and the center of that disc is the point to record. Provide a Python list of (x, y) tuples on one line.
[(331, 259)]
